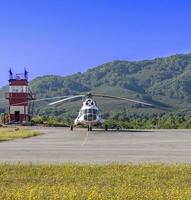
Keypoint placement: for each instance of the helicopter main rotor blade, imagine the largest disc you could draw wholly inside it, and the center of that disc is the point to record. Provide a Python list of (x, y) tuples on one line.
[(50, 98), (66, 99), (122, 98)]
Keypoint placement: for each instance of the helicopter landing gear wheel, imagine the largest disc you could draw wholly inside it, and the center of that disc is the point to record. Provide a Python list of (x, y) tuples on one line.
[(106, 127), (71, 127)]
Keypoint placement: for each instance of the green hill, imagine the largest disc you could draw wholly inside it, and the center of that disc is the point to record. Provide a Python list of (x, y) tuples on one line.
[(164, 82)]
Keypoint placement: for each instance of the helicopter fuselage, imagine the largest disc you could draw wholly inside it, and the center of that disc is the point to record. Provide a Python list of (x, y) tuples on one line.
[(89, 114)]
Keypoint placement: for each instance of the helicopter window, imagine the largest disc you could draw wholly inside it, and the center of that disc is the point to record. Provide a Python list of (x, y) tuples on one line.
[(90, 114), (89, 110), (90, 117)]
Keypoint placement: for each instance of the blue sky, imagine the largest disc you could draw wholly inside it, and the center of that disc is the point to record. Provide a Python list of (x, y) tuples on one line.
[(63, 37)]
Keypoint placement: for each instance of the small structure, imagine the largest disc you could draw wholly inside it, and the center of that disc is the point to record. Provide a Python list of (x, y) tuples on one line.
[(19, 97)]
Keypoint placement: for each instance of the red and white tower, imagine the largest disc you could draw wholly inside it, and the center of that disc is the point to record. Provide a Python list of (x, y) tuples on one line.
[(19, 97)]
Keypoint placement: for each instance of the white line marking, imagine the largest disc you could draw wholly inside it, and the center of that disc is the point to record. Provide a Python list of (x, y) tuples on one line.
[(85, 139)]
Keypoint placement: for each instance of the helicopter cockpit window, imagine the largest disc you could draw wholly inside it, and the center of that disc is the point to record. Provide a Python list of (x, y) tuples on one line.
[(87, 111), (90, 114), (90, 111)]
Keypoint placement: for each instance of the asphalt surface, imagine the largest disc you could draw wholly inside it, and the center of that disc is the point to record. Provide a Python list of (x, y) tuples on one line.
[(58, 145)]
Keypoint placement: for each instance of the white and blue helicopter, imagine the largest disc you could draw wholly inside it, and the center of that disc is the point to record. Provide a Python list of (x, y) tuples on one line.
[(89, 113)]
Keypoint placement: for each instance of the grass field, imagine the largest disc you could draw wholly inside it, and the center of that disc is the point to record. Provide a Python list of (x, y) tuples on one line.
[(14, 133), (112, 181)]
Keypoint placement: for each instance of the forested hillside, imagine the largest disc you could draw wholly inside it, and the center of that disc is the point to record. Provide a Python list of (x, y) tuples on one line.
[(164, 82)]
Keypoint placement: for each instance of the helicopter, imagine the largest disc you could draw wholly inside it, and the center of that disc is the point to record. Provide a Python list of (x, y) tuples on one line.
[(89, 114)]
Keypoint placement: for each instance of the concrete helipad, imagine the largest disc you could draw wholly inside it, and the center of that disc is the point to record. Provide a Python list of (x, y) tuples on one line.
[(58, 145)]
